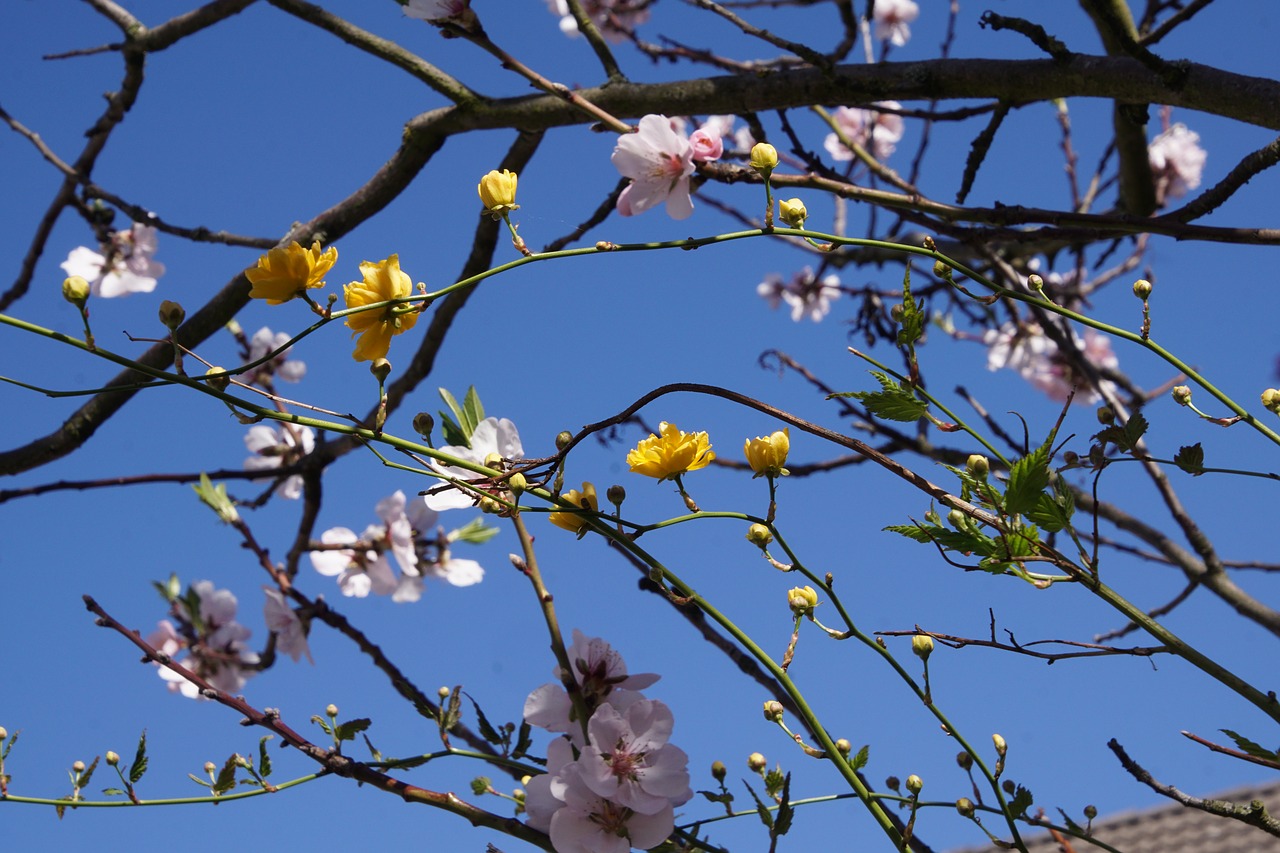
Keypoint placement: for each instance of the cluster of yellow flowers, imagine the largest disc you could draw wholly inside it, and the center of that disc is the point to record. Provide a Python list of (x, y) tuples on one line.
[(286, 272), (672, 453)]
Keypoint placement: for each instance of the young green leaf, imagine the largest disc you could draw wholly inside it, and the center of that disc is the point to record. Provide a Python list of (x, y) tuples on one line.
[(1190, 458), (1028, 478), (264, 759), (786, 811), (351, 728), (487, 731), (861, 758), (226, 776), (1022, 800), (139, 765), (892, 402), (1255, 749)]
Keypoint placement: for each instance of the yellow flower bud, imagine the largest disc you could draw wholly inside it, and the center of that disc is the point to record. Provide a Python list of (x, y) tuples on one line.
[(498, 192), (914, 783), (423, 423), (1181, 395), (719, 771), (75, 290), (768, 454), (773, 711), (764, 158), (78, 766), (221, 383), (112, 758), (978, 466), (802, 600), (965, 807), (1001, 746), (922, 646), (792, 212), (380, 368), (331, 710), (616, 494), (756, 762), (1142, 289), (172, 314), (1271, 400), (210, 767), (844, 747), (759, 535), (572, 521)]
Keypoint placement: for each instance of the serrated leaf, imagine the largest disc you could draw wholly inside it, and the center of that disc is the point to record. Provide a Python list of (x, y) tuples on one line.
[(786, 811), (88, 772), (724, 799), (1047, 514), (13, 738), (474, 532), (226, 776), (1022, 800), (322, 723), (1190, 458), (1028, 478), (351, 728), (1135, 428), (912, 318), (264, 759), (766, 816), (523, 742), (861, 758), (1254, 749), (1071, 824), (487, 731), (892, 402), (965, 542), (139, 765)]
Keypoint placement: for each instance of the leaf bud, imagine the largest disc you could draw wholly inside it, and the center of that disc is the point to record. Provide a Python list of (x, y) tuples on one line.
[(914, 783), (922, 646), (978, 466), (1090, 811), (1181, 395), (756, 762), (562, 439), (616, 494), (773, 711), (1142, 289), (78, 766), (844, 747), (480, 785), (759, 535), (423, 423), (764, 158), (1001, 746), (719, 771), (1036, 283), (380, 368), (75, 290), (172, 314), (792, 212), (964, 760), (958, 519), (942, 270), (220, 383), (965, 807), (112, 758), (1106, 415)]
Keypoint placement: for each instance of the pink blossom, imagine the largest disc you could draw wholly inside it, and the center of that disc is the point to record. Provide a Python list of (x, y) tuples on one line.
[(589, 823), (804, 293), (877, 132), (264, 341), (706, 145), (616, 19), (435, 10), (274, 447), (1038, 360), (359, 572), (629, 762), (214, 643), (659, 162), (1177, 161), (601, 674), (892, 18), (126, 268), (281, 620)]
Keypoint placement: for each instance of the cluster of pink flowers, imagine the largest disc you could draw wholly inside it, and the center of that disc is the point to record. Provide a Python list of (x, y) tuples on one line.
[(876, 132), (278, 446), (208, 641), (128, 265), (616, 19), (617, 786), (407, 536), (659, 158), (1177, 161), (264, 341), (804, 293), (1038, 360)]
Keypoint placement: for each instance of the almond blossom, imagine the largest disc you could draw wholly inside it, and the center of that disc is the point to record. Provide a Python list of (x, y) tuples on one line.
[(1038, 360), (891, 20), (128, 266), (359, 571), (659, 161), (804, 293), (264, 341), (491, 436), (1177, 161), (629, 762), (877, 132), (616, 19), (213, 641), (275, 447), (283, 621), (435, 10), (601, 674)]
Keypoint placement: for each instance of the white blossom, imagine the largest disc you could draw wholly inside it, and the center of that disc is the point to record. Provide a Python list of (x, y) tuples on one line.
[(891, 20), (491, 435), (281, 620), (273, 447), (877, 132), (1038, 360), (1177, 161), (128, 267), (659, 161)]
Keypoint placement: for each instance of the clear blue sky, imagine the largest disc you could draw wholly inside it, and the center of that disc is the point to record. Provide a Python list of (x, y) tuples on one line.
[(263, 121)]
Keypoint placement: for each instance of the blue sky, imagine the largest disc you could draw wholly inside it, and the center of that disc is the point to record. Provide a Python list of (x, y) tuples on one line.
[(263, 121)]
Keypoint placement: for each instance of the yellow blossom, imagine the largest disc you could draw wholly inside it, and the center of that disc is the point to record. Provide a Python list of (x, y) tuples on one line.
[(672, 454), (284, 272), (792, 211), (766, 455), (802, 600), (382, 281), (498, 192), (572, 521), (764, 158)]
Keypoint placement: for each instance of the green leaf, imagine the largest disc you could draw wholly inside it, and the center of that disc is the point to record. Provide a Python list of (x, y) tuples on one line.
[(472, 409), (892, 402), (194, 778), (139, 765), (13, 738), (1028, 478), (766, 816), (1071, 824), (1022, 800), (786, 811), (723, 799), (226, 776), (322, 723), (861, 758), (912, 318), (264, 759), (88, 772), (474, 532), (1047, 514), (1190, 458), (351, 728), (953, 540), (523, 742), (1254, 749), (112, 792), (457, 429), (373, 751), (487, 731), (215, 497)]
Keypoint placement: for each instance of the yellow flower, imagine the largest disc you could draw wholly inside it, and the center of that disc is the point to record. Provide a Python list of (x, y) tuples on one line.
[(382, 281), (792, 212), (764, 158), (671, 455), (498, 192), (284, 272), (767, 455), (572, 521), (802, 600)]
